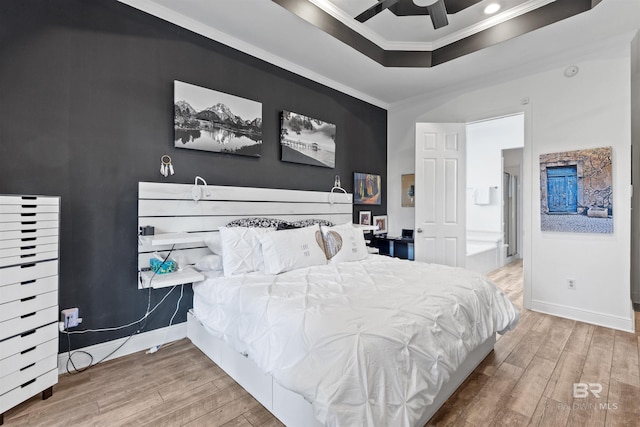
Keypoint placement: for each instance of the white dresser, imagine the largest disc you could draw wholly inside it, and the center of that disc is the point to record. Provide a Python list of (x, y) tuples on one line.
[(29, 236)]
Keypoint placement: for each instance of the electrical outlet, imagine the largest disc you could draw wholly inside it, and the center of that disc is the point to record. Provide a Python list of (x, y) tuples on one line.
[(571, 284), (70, 317)]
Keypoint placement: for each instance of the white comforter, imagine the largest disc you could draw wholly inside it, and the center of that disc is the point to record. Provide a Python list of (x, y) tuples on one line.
[(368, 342)]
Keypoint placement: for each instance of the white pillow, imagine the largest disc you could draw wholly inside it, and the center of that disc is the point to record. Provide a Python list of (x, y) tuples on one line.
[(344, 243), (287, 250), (213, 242), (209, 263), (241, 252)]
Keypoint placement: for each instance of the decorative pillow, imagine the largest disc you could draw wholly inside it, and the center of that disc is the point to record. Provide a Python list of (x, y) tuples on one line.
[(292, 249), (241, 252), (213, 242), (209, 263), (286, 226), (256, 222), (344, 243), (312, 221)]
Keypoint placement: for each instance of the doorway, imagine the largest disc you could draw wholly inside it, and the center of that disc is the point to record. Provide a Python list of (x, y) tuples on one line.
[(512, 159), (494, 197)]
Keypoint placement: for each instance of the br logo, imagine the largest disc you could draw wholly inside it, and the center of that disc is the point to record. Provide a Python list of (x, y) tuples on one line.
[(582, 390)]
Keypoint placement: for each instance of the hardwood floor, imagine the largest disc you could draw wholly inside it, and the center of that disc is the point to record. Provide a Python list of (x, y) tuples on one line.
[(527, 380)]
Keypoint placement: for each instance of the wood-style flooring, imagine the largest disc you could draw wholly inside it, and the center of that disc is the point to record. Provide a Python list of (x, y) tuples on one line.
[(527, 380)]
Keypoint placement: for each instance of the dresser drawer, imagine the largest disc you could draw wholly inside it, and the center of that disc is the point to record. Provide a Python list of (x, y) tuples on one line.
[(7, 245), (29, 200), (26, 306), (30, 258), (28, 217), (27, 233), (28, 339), (28, 389), (28, 372), (27, 249), (27, 272), (27, 322), (18, 291), (28, 356), (28, 225), (28, 207)]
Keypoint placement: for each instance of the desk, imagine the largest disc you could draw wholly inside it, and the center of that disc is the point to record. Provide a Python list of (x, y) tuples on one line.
[(394, 247)]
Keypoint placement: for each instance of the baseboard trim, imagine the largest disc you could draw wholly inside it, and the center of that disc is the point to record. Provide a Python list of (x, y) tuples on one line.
[(139, 342), (601, 319)]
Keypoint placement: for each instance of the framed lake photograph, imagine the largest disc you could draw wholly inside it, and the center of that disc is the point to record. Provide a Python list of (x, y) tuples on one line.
[(367, 189), (208, 120), (307, 140)]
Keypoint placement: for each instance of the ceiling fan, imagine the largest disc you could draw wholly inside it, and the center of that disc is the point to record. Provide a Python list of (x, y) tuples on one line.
[(434, 8)]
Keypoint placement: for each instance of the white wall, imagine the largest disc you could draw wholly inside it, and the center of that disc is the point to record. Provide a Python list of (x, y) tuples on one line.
[(485, 142), (591, 109), (635, 137)]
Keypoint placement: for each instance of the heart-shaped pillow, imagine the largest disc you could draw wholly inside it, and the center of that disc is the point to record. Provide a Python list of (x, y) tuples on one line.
[(332, 243)]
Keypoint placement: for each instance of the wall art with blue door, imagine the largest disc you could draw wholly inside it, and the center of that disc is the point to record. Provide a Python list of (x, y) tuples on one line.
[(576, 191)]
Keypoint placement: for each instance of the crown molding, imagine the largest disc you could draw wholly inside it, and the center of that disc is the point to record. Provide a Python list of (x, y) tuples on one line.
[(169, 15), (386, 44)]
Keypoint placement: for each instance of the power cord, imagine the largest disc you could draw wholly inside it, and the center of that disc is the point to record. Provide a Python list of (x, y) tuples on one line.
[(142, 320), (164, 338)]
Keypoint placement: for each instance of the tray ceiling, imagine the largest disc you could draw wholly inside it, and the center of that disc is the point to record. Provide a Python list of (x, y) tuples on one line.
[(270, 32)]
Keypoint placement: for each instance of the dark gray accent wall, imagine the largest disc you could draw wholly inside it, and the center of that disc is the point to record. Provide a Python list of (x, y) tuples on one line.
[(86, 112)]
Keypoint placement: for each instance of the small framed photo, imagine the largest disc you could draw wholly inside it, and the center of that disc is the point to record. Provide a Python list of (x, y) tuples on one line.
[(365, 218), (381, 222)]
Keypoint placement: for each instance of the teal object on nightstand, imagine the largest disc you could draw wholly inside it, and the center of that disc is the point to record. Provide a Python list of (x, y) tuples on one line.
[(160, 267)]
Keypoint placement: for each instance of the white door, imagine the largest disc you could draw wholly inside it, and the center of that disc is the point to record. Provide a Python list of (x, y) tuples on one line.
[(440, 194)]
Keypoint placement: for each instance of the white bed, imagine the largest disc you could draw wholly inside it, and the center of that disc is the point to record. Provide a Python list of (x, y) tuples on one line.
[(378, 341)]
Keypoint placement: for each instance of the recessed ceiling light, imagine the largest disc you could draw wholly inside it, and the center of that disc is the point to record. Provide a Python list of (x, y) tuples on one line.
[(492, 8)]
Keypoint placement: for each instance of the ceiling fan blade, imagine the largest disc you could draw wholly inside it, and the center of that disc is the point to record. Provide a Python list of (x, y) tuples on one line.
[(455, 6), (376, 9), (438, 14)]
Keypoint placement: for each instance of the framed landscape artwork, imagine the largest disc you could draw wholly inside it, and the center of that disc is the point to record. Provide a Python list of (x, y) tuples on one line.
[(209, 120), (367, 189), (307, 140)]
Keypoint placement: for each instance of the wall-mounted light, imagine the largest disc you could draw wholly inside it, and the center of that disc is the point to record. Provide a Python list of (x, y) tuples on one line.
[(196, 191)]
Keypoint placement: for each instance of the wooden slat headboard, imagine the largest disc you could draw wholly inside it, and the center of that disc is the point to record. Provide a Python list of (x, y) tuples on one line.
[(170, 208)]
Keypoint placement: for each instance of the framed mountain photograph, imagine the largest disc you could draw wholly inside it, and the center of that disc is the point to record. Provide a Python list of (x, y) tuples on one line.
[(205, 119)]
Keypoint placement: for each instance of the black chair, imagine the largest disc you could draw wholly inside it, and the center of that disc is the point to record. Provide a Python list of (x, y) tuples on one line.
[(407, 233)]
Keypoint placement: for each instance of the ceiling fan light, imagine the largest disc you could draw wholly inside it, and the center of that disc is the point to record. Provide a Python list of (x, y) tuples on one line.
[(491, 8), (424, 3)]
